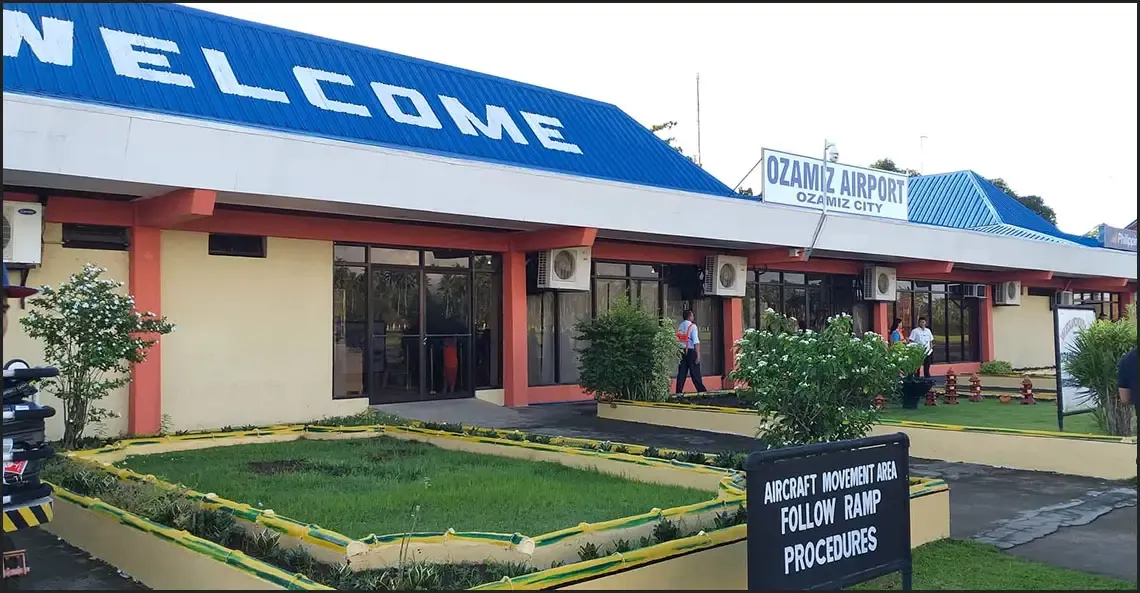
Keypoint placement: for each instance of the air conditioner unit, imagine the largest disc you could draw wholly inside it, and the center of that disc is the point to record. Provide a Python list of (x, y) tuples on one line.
[(726, 275), (1008, 293), (564, 269), (1063, 297), (879, 283), (23, 230)]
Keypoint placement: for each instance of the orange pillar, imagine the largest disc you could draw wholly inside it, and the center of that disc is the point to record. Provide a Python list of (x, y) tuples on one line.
[(880, 317), (1125, 301), (732, 331), (144, 408), (986, 328), (514, 329)]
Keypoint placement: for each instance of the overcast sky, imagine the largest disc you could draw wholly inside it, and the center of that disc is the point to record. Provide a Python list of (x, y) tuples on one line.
[(1042, 95)]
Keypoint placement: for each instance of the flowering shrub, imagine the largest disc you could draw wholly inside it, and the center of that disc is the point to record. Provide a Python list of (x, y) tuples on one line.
[(629, 354), (818, 387), (91, 333)]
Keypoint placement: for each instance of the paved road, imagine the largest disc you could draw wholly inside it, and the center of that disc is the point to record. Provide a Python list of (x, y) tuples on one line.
[(1081, 523), (56, 565)]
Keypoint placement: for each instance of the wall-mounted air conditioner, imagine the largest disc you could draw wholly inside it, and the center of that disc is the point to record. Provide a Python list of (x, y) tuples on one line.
[(564, 269), (1008, 293), (1063, 297), (23, 233), (879, 283), (726, 275)]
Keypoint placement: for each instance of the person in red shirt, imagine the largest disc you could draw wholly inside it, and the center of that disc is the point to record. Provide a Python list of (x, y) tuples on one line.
[(450, 365)]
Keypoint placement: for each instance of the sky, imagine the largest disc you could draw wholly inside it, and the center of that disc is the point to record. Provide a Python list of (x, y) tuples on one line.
[(1041, 95)]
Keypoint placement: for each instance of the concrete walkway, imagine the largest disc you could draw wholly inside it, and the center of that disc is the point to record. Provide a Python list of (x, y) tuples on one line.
[(1075, 522)]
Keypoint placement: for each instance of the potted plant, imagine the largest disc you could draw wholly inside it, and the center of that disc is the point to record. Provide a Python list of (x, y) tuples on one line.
[(910, 358)]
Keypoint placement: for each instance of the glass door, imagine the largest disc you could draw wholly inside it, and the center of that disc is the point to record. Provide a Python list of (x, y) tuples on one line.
[(396, 339), (447, 340)]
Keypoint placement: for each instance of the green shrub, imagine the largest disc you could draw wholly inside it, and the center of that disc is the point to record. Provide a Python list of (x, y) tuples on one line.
[(629, 354), (1091, 361), (996, 367), (817, 387)]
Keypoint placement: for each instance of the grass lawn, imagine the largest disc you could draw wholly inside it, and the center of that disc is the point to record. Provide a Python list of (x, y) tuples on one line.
[(964, 565), (992, 413), (370, 485)]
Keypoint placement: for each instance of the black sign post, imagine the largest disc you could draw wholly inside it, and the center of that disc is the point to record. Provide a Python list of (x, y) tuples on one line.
[(830, 515)]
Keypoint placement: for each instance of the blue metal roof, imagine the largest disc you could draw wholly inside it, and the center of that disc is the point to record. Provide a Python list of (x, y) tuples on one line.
[(965, 200), (512, 123)]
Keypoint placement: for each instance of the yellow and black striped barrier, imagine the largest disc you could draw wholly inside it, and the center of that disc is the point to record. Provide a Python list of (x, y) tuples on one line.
[(24, 517)]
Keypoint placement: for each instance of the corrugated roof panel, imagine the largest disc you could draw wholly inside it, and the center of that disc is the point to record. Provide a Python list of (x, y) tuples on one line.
[(1011, 211), (590, 138), (1009, 230), (948, 199)]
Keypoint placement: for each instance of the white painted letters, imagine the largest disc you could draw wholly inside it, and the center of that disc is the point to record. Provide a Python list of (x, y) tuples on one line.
[(424, 117), (229, 84), (497, 120), (310, 80), (129, 61), (548, 137), (54, 46)]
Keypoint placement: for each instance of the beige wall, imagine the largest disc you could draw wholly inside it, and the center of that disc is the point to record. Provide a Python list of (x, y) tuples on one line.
[(58, 264), (1023, 335), (254, 339)]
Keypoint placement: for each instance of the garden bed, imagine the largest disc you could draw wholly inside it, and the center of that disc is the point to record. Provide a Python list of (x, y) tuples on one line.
[(270, 545), (1036, 450)]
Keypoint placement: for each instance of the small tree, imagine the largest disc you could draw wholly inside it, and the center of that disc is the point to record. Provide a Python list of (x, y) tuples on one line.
[(91, 333), (629, 354), (816, 387), (1092, 361)]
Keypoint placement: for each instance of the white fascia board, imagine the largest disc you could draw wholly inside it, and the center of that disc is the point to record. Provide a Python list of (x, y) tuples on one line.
[(83, 140)]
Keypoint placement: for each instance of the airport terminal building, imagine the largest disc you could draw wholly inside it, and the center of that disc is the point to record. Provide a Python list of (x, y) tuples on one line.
[(332, 226)]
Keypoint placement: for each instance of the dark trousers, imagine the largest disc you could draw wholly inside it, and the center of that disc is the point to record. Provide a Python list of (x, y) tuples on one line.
[(926, 365), (690, 367)]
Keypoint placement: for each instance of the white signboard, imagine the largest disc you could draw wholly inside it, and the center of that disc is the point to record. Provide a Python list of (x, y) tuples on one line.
[(802, 181), (1067, 322)]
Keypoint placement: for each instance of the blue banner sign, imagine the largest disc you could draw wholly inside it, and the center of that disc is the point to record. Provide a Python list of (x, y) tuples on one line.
[(176, 60)]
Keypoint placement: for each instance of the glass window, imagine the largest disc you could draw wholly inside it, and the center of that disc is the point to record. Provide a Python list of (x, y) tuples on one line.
[(396, 257), (793, 278), (904, 309), (645, 295), (707, 315), (750, 304), (795, 305), (956, 335), (396, 301), (572, 308), (921, 307), (540, 338), (488, 330), (938, 326), (441, 258), (350, 331), (970, 329), (768, 278), (607, 293), (348, 253), (770, 299), (609, 269), (447, 298), (816, 279), (903, 285), (487, 262), (644, 271), (819, 308)]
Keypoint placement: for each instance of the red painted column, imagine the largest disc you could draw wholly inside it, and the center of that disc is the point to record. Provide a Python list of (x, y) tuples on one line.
[(880, 318), (514, 329), (986, 328), (732, 331), (144, 408), (1125, 301)]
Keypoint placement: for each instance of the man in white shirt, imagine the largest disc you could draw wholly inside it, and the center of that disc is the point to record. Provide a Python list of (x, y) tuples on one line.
[(690, 364), (922, 335)]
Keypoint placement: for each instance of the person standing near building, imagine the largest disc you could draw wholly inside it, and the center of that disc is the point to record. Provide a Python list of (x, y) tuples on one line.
[(690, 364), (922, 335), (896, 332), (13, 292), (1126, 373)]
